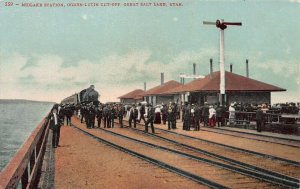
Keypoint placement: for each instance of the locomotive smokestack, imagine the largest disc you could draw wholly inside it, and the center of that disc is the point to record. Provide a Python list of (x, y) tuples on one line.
[(211, 66), (162, 78), (145, 86), (247, 68), (231, 68)]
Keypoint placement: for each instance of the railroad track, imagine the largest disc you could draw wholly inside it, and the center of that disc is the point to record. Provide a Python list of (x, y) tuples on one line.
[(287, 161), (253, 136), (245, 158), (221, 167)]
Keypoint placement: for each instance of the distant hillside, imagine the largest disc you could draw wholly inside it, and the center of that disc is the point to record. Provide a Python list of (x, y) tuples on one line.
[(22, 101)]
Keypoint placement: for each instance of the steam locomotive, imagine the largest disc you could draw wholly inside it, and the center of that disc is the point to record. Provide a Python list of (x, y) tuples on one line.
[(85, 96)]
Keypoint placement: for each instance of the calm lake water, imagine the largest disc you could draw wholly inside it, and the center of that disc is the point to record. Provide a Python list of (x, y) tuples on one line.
[(17, 121)]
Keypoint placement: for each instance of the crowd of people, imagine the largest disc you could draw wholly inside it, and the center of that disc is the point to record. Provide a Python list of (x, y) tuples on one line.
[(191, 115)]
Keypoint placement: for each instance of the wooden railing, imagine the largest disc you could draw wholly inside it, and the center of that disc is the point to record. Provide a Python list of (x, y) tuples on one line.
[(23, 168)]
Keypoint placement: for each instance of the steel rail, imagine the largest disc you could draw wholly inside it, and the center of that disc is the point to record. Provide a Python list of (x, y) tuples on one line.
[(291, 162), (236, 148), (161, 164), (270, 177), (220, 157), (222, 131)]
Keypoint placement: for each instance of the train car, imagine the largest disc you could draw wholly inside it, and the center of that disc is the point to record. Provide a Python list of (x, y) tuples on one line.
[(70, 100), (85, 96)]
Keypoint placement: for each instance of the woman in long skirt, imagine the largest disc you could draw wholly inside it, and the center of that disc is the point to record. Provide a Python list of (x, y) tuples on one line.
[(157, 119), (212, 117)]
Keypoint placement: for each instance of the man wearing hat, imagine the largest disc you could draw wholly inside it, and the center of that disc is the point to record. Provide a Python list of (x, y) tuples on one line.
[(187, 118), (259, 118), (55, 124), (151, 114), (205, 114), (197, 115), (99, 114), (133, 114), (105, 115)]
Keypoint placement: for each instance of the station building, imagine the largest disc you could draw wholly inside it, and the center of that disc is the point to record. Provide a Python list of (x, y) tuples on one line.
[(156, 94), (238, 89), (134, 96)]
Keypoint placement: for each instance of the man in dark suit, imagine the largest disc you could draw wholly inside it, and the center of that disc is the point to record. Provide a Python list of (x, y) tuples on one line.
[(120, 112), (99, 115), (105, 115), (113, 114), (142, 112), (259, 119), (205, 114), (133, 116), (91, 117), (197, 115), (151, 114), (187, 118), (55, 124)]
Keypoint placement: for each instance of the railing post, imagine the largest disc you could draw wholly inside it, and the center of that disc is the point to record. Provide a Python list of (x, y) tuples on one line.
[(35, 154), (32, 162), (24, 178)]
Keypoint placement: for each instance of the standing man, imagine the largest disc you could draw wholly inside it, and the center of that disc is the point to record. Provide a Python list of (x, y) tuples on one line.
[(69, 114), (108, 119), (259, 119), (105, 116), (164, 114), (151, 114), (187, 118), (113, 114), (171, 117), (133, 116), (142, 112), (120, 113), (175, 115), (219, 115), (99, 115), (183, 110), (92, 115), (197, 117), (55, 125), (205, 114)]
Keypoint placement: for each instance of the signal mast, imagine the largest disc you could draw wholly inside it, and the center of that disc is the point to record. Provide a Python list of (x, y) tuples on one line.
[(222, 25)]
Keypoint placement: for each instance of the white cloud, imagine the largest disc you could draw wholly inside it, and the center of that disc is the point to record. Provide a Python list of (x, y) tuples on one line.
[(113, 75), (294, 1), (84, 16)]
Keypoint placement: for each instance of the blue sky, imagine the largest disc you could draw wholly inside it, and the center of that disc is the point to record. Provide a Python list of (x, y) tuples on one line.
[(50, 53)]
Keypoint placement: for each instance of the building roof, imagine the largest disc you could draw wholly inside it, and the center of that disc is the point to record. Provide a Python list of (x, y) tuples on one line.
[(162, 88), (135, 94), (233, 82)]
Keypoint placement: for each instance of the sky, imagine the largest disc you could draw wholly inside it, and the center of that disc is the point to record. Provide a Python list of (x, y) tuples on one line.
[(49, 53)]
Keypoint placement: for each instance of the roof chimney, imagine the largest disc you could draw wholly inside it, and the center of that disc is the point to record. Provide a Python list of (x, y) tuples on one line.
[(183, 80), (162, 78), (194, 68), (231, 68), (211, 66), (247, 68), (145, 86), (180, 78)]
